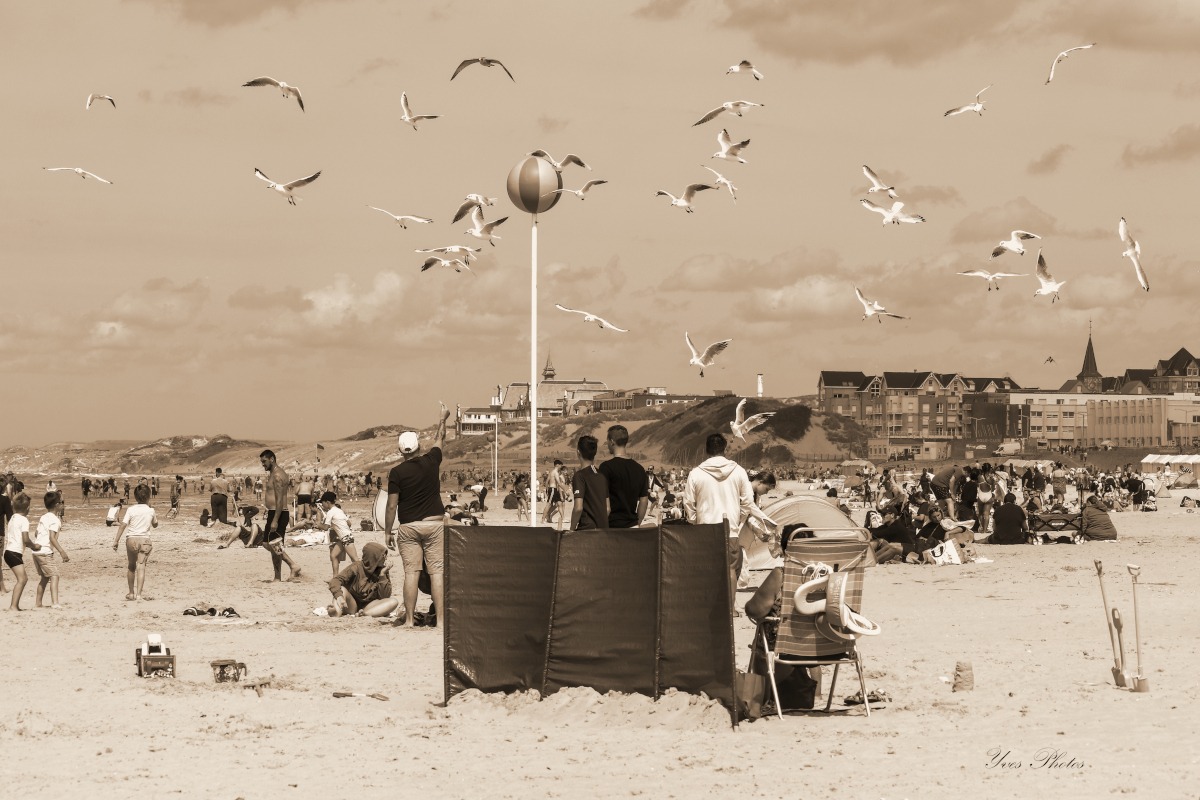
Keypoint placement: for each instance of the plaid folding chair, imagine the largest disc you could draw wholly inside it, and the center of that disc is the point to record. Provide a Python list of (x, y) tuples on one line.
[(829, 637)]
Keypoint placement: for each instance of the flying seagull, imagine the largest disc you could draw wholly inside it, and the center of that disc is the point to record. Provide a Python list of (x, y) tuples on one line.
[(483, 230), (483, 61), (741, 425), (706, 358), (569, 158), (472, 201), (1049, 360), (723, 181), (745, 65), (401, 219), (1133, 251), (80, 171), (94, 97), (729, 150), (1049, 285), (1064, 54), (287, 89), (1013, 243), (408, 117), (581, 191), (589, 317), (993, 278), (893, 215), (878, 185), (977, 106), (286, 189), (872, 308), (460, 251), (733, 107), (458, 264), (685, 202)]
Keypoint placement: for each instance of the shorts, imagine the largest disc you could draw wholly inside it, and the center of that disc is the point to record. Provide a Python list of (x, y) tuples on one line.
[(110, 522), (334, 541), (46, 566), (422, 538), (277, 522), (940, 492), (304, 499), (220, 507), (13, 559)]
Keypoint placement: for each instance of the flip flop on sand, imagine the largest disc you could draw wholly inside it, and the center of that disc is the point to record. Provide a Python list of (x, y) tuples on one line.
[(875, 696)]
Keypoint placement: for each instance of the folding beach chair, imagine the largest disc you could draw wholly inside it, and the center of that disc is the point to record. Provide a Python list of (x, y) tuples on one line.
[(830, 637)]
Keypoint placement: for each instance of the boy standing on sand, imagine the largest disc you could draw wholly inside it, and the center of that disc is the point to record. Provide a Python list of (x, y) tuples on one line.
[(277, 515), (16, 536), (45, 545), (138, 519)]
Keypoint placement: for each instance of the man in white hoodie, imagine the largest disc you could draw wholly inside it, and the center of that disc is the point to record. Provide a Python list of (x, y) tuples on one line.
[(720, 489)]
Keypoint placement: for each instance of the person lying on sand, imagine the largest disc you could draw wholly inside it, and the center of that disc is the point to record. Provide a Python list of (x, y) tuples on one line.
[(364, 588)]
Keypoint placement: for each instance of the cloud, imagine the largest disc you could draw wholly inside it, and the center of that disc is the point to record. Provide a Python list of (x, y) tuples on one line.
[(721, 272), (159, 305), (846, 33), (1144, 27), (190, 96), (378, 63), (992, 223), (1048, 161), (221, 13), (257, 297), (932, 196), (549, 124), (662, 9), (342, 304), (1181, 144)]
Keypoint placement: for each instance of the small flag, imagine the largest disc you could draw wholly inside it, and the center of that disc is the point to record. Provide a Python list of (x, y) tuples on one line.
[(320, 447)]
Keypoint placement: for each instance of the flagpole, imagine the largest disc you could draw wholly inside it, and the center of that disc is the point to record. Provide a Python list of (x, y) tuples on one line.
[(533, 376)]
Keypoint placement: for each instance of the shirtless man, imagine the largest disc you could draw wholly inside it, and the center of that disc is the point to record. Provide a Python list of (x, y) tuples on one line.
[(277, 515)]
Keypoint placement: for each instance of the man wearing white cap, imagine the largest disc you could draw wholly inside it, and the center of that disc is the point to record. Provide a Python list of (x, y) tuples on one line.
[(415, 504)]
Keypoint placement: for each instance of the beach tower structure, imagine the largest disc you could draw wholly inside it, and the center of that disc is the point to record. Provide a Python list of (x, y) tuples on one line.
[(760, 393), (1089, 377)]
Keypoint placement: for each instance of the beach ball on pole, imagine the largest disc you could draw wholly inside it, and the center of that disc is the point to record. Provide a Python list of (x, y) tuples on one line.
[(532, 186)]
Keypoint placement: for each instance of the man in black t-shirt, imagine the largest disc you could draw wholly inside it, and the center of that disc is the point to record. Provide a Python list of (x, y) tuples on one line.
[(628, 485), (1010, 525), (590, 489), (415, 503)]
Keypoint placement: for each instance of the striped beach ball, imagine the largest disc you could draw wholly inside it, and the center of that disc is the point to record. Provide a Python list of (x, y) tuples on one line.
[(531, 185)]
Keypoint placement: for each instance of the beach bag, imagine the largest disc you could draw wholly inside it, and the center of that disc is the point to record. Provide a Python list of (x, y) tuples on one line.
[(945, 553), (751, 691), (367, 525)]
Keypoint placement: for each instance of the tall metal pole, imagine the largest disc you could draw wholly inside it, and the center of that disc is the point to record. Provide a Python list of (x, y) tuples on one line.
[(533, 299)]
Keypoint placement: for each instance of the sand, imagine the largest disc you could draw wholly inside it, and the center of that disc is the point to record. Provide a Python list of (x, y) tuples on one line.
[(76, 718)]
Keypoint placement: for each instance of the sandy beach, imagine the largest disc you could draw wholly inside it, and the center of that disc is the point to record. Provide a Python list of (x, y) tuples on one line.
[(1030, 624)]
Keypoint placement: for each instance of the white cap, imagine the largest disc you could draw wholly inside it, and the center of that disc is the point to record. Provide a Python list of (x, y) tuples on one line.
[(409, 443)]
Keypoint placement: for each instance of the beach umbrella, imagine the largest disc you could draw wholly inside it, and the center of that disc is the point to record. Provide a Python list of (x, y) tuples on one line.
[(532, 187)]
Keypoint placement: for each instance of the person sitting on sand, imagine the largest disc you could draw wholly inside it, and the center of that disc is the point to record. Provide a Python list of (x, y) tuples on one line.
[(891, 538), (364, 588), (1010, 523), (1096, 522), (114, 512), (138, 520)]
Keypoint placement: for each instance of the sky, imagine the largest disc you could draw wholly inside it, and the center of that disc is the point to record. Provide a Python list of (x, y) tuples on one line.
[(187, 298)]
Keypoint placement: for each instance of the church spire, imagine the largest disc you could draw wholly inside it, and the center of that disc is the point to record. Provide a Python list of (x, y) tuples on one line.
[(548, 372), (1089, 377)]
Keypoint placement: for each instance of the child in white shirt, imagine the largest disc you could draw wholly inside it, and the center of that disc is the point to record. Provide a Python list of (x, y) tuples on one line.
[(139, 519), (341, 538), (45, 545), (16, 538)]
